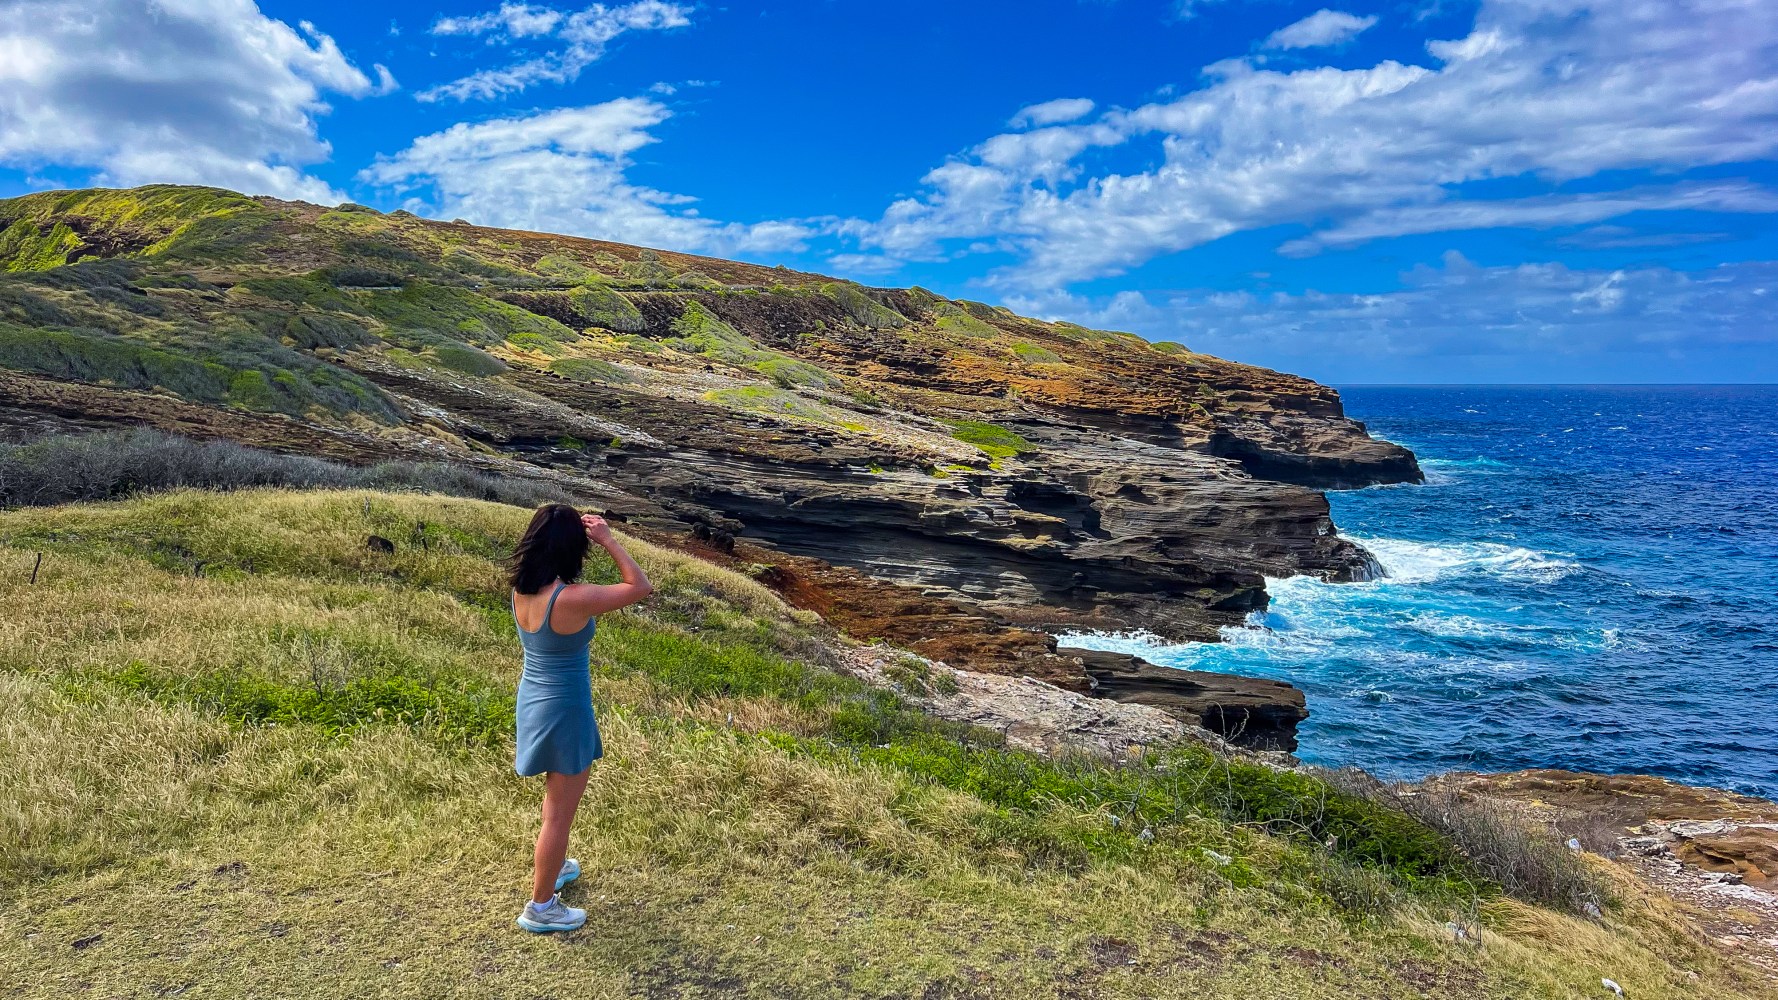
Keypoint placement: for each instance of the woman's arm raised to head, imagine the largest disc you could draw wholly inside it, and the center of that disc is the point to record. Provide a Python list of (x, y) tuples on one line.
[(596, 599)]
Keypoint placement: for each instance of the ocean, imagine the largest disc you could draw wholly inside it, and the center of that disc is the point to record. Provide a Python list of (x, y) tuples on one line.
[(1588, 579)]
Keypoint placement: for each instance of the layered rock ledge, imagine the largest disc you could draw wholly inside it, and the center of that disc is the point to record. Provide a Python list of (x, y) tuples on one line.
[(989, 477)]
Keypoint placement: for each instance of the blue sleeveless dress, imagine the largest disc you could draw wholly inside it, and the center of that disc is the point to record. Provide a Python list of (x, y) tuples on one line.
[(556, 728)]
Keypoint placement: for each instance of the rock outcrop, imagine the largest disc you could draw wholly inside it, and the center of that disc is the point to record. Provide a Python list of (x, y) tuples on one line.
[(1249, 712), (1019, 476)]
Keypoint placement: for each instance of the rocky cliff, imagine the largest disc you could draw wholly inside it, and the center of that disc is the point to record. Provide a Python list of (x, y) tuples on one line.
[(865, 448)]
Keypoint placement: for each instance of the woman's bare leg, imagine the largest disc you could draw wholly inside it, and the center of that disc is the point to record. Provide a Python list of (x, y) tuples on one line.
[(561, 797)]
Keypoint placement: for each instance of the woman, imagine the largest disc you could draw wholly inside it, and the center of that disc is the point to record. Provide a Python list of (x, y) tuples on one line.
[(557, 734)]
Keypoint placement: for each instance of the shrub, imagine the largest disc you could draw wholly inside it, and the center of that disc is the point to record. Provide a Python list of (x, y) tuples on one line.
[(107, 465), (863, 309), (21, 305), (563, 267), (1034, 353), (468, 360), (780, 403), (590, 370), (537, 342), (353, 276), (23, 247), (1529, 863), (311, 330), (953, 318)]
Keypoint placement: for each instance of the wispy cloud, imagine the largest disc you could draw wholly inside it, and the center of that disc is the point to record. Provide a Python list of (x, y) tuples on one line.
[(1324, 27), (1538, 213), (574, 41), (564, 171), (1456, 310), (1062, 109)]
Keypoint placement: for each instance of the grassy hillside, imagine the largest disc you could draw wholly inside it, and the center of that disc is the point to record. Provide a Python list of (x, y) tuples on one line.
[(244, 754)]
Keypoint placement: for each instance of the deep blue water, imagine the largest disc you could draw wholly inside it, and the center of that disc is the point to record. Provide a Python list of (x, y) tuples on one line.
[(1588, 580)]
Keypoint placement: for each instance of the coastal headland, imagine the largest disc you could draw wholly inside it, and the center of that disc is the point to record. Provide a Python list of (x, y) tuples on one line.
[(259, 461)]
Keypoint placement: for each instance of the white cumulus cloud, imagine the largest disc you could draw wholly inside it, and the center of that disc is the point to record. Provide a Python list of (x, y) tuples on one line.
[(573, 42), (1324, 27), (178, 91), (564, 171), (1365, 153)]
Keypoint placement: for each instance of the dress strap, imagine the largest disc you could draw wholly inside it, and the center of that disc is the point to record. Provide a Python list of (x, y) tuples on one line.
[(549, 610)]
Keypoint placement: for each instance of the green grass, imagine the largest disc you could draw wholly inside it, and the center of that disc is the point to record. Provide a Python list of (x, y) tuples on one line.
[(275, 754)]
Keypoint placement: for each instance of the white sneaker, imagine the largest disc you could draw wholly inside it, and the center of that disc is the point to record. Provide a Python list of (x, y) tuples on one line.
[(553, 916), (570, 872)]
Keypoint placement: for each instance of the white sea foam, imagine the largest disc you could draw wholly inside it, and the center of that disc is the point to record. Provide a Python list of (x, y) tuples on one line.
[(1423, 562)]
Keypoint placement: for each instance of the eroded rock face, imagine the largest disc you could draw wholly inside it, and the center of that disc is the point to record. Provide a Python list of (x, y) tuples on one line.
[(1106, 531), (1022, 475), (1029, 713)]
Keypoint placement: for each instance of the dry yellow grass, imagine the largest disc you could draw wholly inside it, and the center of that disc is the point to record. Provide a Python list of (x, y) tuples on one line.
[(150, 848)]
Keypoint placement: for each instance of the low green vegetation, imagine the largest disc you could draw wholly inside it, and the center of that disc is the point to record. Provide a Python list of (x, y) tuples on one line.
[(604, 307), (789, 373), (251, 375), (591, 370), (159, 220), (1087, 335), (463, 358), (993, 439), (863, 309), (782, 403), (1033, 353), (564, 268), (537, 342), (699, 331), (223, 713), (953, 318)]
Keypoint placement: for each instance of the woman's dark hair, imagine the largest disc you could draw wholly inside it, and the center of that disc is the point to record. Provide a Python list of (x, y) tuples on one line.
[(553, 547)]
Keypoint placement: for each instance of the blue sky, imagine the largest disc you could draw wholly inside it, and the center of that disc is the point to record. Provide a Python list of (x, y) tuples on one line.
[(1416, 191)]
